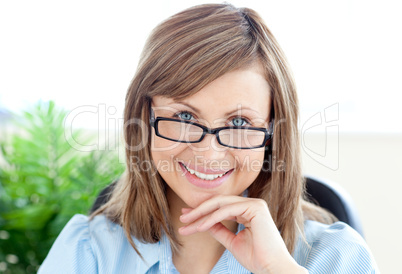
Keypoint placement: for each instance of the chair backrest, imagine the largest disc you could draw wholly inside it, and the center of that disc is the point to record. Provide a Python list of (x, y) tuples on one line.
[(103, 197), (324, 193), (334, 198)]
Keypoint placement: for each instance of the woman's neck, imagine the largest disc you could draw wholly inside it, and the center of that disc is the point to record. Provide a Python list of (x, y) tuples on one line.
[(198, 252)]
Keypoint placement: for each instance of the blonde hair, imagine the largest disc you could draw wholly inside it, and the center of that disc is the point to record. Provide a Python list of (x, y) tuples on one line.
[(181, 56)]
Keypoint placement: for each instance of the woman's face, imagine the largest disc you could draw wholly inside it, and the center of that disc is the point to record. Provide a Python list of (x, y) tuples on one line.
[(240, 97)]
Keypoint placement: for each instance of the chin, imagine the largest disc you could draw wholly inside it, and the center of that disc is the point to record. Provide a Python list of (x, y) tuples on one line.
[(197, 198)]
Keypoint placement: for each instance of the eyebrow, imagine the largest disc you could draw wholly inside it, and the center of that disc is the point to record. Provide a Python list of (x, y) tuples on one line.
[(190, 106), (226, 114)]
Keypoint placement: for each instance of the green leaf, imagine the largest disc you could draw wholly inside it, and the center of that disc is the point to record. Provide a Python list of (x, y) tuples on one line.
[(44, 182)]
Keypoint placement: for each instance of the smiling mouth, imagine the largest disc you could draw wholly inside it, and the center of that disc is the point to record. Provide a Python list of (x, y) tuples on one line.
[(207, 177)]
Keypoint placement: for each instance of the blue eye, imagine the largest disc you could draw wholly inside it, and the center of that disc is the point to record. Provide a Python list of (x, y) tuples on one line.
[(184, 115), (187, 116), (238, 122)]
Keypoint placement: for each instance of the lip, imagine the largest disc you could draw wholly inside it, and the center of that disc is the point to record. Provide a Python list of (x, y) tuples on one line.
[(206, 170), (205, 183)]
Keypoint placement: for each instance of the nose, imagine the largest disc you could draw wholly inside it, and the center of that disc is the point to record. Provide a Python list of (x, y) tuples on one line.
[(209, 148)]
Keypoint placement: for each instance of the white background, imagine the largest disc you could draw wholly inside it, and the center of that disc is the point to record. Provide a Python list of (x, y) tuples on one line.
[(85, 53)]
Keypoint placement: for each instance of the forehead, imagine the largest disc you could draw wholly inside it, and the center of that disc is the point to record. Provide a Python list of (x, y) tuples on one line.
[(239, 89)]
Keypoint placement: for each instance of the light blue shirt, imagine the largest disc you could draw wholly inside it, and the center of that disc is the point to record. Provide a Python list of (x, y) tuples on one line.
[(100, 246)]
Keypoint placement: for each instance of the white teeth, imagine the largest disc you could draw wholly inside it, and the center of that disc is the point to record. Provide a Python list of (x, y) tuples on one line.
[(203, 175)]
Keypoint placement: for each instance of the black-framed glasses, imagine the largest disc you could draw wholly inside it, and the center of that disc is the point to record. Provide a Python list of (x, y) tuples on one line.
[(239, 137)]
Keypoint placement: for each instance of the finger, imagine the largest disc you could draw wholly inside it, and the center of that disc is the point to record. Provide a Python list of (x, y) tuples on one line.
[(210, 206), (192, 227), (186, 210), (241, 212), (223, 235)]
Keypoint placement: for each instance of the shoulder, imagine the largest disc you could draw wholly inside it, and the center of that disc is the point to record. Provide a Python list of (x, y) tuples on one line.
[(73, 242), (92, 246), (335, 248)]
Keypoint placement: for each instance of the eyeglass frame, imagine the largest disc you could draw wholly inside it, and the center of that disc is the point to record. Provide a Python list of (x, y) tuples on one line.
[(215, 131)]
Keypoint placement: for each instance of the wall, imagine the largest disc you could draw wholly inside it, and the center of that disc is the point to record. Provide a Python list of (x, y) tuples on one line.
[(370, 170)]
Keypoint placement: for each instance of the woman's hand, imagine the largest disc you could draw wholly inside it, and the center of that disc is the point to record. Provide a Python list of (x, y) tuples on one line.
[(259, 247)]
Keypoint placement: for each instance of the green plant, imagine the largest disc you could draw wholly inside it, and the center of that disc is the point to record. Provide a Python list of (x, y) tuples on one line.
[(43, 183)]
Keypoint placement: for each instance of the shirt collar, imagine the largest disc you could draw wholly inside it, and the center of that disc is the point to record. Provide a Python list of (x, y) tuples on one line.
[(150, 253), (159, 256)]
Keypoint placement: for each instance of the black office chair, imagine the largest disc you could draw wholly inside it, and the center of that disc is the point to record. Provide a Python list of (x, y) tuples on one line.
[(334, 198), (103, 197), (326, 194)]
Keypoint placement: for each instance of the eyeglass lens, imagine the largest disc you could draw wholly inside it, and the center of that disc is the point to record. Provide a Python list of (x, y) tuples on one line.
[(184, 132)]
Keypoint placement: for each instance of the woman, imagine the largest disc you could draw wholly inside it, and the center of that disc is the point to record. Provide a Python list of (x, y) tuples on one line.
[(213, 180)]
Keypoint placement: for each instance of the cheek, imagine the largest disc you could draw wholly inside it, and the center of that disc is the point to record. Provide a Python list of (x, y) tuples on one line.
[(250, 161), (248, 165), (164, 153), (162, 148)]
